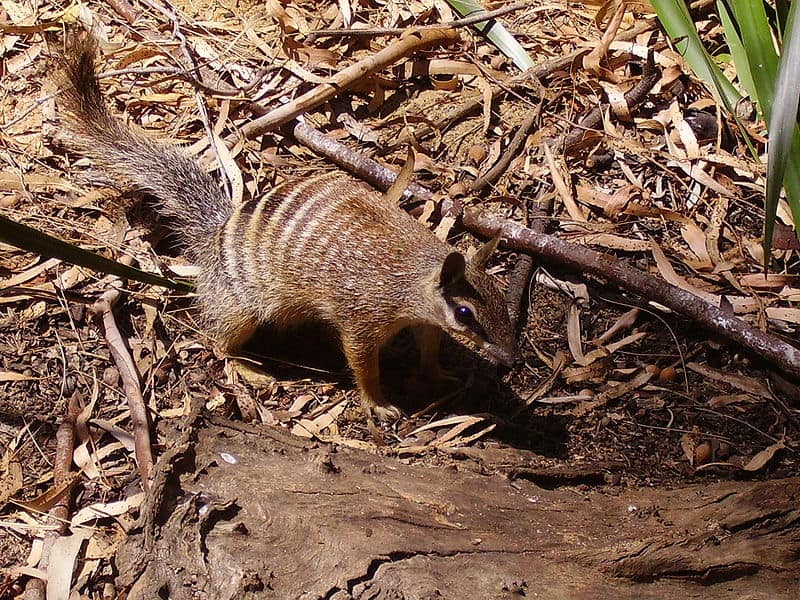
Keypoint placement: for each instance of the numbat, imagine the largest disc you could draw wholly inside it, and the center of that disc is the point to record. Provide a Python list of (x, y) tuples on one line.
[(325, 248)]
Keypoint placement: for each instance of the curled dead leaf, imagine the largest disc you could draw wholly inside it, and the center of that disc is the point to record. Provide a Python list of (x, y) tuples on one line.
[(760, 460)]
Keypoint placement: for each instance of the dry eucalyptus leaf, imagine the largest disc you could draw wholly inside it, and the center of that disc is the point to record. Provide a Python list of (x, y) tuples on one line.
[(63, 558), (760, 460)]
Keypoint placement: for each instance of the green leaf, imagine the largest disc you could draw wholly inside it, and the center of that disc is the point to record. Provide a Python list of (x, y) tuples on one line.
[(32, 240), (783, 163), (677, 22), (496, 33), (738, 52), (757, 39)]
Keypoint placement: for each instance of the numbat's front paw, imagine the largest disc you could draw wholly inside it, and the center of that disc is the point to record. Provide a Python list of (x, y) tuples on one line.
[(383, 412)]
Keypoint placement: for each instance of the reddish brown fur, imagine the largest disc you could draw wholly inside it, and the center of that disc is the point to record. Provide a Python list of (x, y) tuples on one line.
[(326, 247)]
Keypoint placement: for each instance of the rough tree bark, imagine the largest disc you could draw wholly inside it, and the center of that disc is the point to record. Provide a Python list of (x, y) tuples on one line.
[(237, 513)]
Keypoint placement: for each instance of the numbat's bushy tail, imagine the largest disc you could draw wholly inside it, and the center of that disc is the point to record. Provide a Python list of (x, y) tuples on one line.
[(185, 192), (326, 247)]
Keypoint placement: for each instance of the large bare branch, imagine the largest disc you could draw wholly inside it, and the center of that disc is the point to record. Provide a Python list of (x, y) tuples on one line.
[(771, 348)]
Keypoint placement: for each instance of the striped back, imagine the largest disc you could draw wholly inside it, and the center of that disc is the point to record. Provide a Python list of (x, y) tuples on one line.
[(315, 241), (328, 246)]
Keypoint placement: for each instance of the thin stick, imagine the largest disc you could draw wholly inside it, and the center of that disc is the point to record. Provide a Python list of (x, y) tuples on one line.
[(409, 43), (593, 121), (515, 147), (470, 20), (365, 168), (58, 515), (769, 347), (103, 308), (124, 9)]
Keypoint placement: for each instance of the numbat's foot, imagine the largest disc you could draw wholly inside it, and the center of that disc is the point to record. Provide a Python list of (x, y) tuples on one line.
[(384, 412)]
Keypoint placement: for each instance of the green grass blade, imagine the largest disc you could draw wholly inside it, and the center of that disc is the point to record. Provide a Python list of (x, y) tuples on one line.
[(756, 33), (32, 240), (738, 51), (783, 163), (677, 22), (496, 33)]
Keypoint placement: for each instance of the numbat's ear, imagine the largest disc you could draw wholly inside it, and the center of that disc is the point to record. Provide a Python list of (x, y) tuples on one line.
[(485, 252), (452, 269)]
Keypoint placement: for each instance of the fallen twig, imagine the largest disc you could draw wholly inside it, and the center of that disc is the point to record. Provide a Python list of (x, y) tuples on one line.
[(409, 43), (58, 515), (124, 9), (518, 284), (514, 149), (594, 119), (340, 154), (376, 31), (103, 308), (774, 350)]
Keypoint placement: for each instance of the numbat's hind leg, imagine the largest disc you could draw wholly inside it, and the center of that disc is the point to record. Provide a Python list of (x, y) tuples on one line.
[(233, 332)]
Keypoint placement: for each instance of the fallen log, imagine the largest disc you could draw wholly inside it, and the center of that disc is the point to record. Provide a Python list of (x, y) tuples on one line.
[(248, 512)]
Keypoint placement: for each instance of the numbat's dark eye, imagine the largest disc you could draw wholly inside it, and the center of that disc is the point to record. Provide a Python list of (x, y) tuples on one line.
[(464, 314)]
